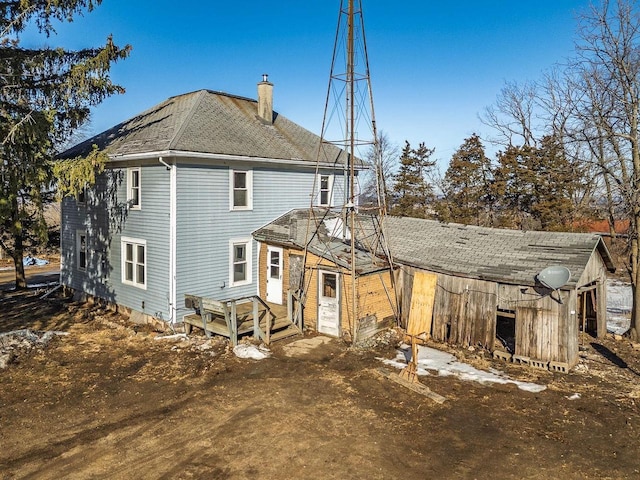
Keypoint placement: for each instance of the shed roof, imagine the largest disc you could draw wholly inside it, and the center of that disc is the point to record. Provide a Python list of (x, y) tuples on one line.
[(493, 254), (208, 122), (508, 256)]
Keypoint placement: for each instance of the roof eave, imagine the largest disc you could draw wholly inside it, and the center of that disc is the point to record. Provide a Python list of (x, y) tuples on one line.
[(606, 255), (216, 156)]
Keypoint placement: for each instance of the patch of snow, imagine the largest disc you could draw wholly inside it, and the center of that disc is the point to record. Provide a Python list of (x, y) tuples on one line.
[(575, 396), (29, 260), (619, 302), (13, 343), (446, 364), (43, 285), (245, 350)]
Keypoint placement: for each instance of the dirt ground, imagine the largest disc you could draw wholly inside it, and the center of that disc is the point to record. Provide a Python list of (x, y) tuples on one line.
[(110, 400)]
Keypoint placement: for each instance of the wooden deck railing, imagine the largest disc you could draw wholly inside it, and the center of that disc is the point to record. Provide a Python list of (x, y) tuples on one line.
[(233, 318)]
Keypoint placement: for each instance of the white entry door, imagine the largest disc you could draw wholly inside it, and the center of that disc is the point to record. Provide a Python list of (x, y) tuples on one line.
[(274, 275), (329, 303)]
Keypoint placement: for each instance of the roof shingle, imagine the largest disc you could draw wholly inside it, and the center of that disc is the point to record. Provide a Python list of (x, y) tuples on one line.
[(208, 122)]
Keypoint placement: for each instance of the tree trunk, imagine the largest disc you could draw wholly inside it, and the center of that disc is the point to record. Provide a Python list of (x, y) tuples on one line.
[(21, 280), (635, 312), (634, 273), (18, 247)]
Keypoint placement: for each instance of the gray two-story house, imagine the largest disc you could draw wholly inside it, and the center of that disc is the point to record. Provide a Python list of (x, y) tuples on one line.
[(186, 184)]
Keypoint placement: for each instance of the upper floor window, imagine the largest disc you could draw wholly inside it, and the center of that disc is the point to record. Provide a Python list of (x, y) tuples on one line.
[(81, 249), (134, 262), (241, 189), (325, 187), (134, 188), (81, 198)]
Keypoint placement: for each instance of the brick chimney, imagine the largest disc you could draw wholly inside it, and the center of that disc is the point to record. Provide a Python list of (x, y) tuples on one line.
[(265, 100)]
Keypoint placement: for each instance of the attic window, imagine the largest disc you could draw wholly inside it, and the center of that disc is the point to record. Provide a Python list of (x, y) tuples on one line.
[(241, 189)]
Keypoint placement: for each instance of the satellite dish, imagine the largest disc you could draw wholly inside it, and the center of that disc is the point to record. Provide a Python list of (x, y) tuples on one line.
[(554, 277)]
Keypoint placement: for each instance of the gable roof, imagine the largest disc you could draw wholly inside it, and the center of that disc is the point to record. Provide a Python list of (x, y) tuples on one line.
[(210, 123), (508, 256), (493, 254)]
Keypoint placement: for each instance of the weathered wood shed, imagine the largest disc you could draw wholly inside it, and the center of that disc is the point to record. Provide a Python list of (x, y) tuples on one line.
[(320, 279), (488, 293)]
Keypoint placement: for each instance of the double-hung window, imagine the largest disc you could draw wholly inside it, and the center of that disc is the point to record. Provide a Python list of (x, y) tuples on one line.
[(134, 188), (240, 189), (81, 250), (134, 262), (325, 186), (239, 261)]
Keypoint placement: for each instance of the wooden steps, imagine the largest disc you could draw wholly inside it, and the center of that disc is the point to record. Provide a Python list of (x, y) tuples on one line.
[(289, 331), (235, 318)]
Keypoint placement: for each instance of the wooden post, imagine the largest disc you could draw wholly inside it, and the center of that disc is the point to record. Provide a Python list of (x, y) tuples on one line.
[(584, 316), (234, 324), (267, 318), (256, 319)]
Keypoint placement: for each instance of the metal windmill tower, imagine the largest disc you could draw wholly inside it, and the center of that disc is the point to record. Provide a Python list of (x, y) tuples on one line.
[(349, 124)]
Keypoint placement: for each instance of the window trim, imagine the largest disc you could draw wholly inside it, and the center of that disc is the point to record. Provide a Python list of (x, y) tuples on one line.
[(248, 243), (136, 242), (130, 188), (330, 180), (248, 188), (79, 235)]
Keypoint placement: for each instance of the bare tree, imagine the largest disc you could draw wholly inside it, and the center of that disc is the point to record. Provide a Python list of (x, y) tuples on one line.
[(513, 115), (606, 109), (377, 182)]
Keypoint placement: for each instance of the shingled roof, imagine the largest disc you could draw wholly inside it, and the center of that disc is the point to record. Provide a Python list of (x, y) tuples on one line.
[(208, 122), (507, 256), (499, 255), (321, 231)]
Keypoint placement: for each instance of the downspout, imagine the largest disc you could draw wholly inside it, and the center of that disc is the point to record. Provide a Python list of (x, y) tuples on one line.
[(173, 197)]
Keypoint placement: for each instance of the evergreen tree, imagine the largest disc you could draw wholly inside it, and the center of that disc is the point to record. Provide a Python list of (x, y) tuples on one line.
[(412, 191), (556, 183), (535, 186), (467, 186), (45, 94)]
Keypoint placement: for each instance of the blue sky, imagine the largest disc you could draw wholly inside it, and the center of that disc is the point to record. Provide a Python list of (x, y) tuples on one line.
[(434, 65)]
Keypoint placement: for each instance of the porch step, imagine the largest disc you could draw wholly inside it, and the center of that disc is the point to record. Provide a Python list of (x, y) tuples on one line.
[(290, 331), (278, 324)]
